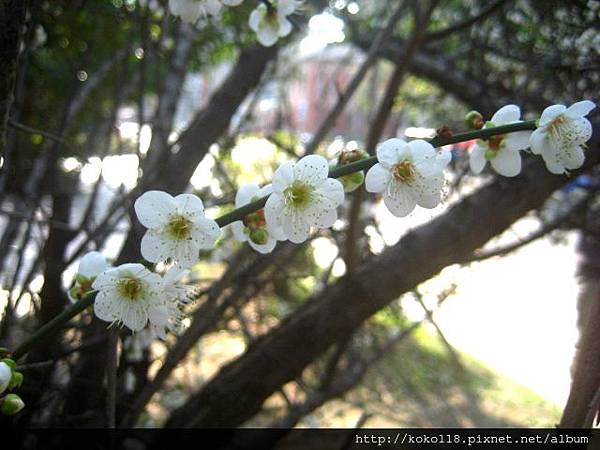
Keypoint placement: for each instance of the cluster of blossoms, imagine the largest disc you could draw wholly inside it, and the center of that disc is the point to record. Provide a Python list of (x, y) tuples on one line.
[(559, 138), (10, 378), (303, 198), (269, 19)]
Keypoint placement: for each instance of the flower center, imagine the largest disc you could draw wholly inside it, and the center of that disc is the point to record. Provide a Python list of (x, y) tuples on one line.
[(179, 228), (130, 288), (404, 172), (297, 195)]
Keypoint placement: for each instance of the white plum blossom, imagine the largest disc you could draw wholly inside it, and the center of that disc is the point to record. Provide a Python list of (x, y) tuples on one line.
[(177, 227), (561, 134), (270, 22), (91, 265), (261, 236), (408, 174), (175, 296), (502, 151), (128, 295), (303, 198), (191, 10), (5, 376)]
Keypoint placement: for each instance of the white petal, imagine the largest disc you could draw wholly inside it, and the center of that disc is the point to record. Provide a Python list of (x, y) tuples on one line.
[(400, 202), (174, 275), (106, 279), (573, 157), (158, 315), (156, 246), (477, 159), (187, 252), (273, 211), (190, 206), (283, 177), (237, 229), (153, 208), (325, 218), (427, 191), (285, 27), (276, 232), (264, 248), (135, 316), (538, 141), (232, 2), (507, 162), (421, 151), (506, 114), (580, 131), (265, 190), (245, 194), (312, 169), (518, 140), (206, 233), (333, 190), (377, 178), (550, 113), (296, 227), (553, 159), (443, 158), (92, 264), (388, 152), (267, 35), (580, 109), (106, 307), (5, 376), (256, 17)]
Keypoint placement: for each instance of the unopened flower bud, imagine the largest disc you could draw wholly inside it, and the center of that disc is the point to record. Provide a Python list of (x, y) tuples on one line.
[(11, 405), (474, 120), (16, 380), (352, 181), (259, 236), (10, 363), (5, 376)]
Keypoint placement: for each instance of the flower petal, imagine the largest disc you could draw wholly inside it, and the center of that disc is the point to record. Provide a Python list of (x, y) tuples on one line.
[(283, 177), (273, 211), (190, 206), (205, 233), (264, 248), (92, 264), (107, 307), (506, 114), (518, 140), (573, 157), (388, 152), (580, 109), (237, 228), (477, 159), (296, 227), (377, 178), (153, 208), (507, 162), (552, 158), (550, 113), (333, 190), (312, 169), (538, 140), (245, 193), (156, 246), (399, 201)]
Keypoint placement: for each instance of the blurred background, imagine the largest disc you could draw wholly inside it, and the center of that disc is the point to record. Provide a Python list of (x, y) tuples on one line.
[(477, 328)]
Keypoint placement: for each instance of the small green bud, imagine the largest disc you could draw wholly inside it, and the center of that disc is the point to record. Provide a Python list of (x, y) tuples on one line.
[(490, 154), (259, 236), (352, 181), (16, 380), (10, 363), (474, 120), (11, 405), (74, 292), (81, 279), (3, 352)]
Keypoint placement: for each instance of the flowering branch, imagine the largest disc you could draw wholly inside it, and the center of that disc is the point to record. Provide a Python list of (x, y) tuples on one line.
[(363, 164)]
